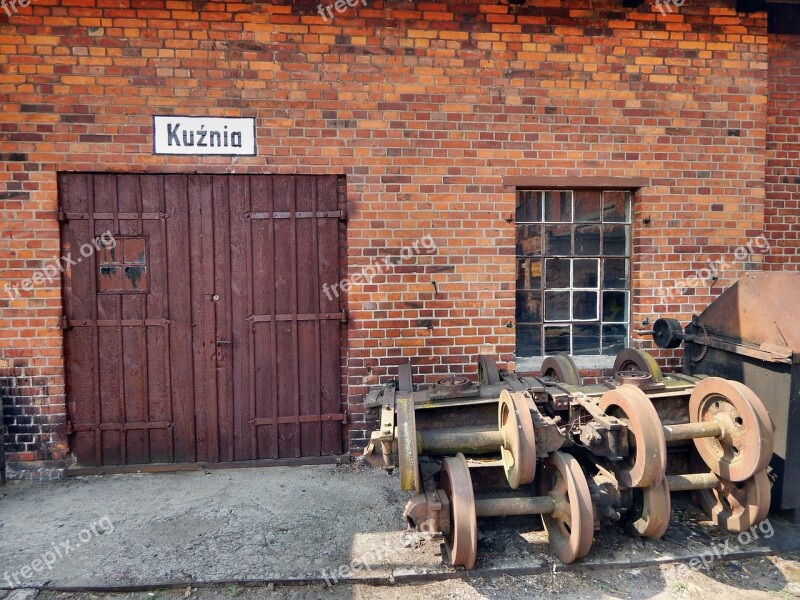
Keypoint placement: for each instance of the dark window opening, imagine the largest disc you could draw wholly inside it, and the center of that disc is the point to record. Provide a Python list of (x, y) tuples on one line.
[(573, 272)]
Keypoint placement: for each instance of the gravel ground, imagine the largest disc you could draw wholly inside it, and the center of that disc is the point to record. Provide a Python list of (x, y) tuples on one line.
[(752, 579), (193, 526), (228, 533)]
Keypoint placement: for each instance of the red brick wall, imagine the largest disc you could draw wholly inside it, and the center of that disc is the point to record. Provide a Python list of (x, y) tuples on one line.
[(425, 107), (782, 211)]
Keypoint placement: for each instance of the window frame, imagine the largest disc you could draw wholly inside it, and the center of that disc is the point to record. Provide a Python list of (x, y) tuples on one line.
[(540, 214), (104, 258)]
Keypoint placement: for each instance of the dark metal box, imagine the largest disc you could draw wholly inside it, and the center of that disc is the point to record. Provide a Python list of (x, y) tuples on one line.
[(751, 333)]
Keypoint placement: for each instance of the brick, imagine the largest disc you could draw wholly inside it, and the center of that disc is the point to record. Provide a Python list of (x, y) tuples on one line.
[(425, 122)]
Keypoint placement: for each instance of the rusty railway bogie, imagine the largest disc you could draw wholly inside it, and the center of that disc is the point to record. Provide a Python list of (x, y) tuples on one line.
[(595, 453), (645, 512), (563, 501), (604, 435)]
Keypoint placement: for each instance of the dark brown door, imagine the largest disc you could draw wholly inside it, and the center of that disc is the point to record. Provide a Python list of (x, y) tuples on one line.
[(204, 334)]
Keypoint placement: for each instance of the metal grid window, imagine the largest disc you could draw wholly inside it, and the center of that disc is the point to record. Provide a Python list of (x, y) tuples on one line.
[(123, 267), (573, 272)]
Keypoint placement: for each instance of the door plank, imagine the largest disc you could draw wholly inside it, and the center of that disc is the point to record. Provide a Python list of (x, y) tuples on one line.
[(146, 380)]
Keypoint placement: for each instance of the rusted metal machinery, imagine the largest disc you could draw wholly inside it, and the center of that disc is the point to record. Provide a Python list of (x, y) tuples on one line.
[(750, 334), (578, 455)]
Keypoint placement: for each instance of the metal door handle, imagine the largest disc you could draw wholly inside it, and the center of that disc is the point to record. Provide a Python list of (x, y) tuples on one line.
[(223, 342)]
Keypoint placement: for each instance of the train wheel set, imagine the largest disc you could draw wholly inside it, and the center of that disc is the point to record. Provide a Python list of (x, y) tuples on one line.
[(581, 456)]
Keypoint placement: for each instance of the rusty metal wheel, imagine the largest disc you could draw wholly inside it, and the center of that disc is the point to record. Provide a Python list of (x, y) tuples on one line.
[(647, 456), (570, 527), (561, 368), (633, 359), (488, 374), (652, 510), (408, 456), (736, 507), (745, 445), (462, 540), (518, 449)]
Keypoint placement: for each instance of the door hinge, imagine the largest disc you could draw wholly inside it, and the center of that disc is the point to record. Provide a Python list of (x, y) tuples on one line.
[(343, 213), (346, 417), (65, 322), (345, 316), (62, 216)]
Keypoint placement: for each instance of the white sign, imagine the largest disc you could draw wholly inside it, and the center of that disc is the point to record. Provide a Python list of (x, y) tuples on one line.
[(204, 136)]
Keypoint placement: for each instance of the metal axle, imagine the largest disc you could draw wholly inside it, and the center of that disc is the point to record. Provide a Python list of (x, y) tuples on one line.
[(469, 440), (690, 431), (507, 507), (692, 481)]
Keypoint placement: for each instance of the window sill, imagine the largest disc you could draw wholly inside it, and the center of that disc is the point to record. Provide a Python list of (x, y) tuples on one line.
[(533, 364)]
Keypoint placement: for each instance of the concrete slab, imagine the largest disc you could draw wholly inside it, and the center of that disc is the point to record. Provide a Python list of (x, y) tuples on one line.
[(321, 524)]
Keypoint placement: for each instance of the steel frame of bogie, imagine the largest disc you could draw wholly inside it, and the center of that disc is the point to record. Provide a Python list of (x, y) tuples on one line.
[(612, 428)]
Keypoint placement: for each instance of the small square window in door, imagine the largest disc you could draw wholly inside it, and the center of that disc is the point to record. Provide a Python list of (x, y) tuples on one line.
[(122, 267)]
